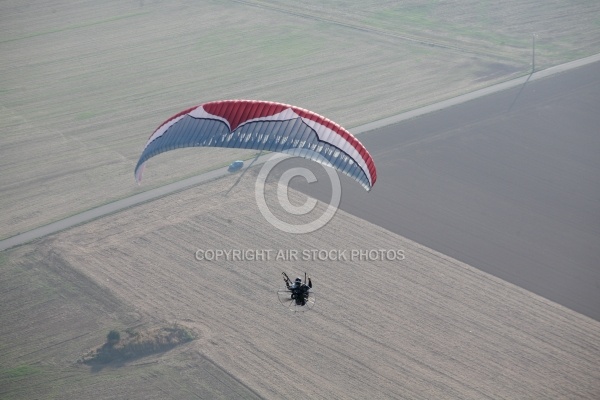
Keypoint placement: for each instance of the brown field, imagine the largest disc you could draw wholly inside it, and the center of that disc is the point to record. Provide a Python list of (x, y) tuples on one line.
[(83, 84), (506, 184), (424, 327)]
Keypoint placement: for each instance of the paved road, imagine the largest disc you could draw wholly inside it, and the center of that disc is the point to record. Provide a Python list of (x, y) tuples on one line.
[(508, 184), (115, 206), (119, 205)]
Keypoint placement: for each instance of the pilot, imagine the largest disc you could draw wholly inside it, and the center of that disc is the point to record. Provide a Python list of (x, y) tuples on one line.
[(297, 283), (299, 290)]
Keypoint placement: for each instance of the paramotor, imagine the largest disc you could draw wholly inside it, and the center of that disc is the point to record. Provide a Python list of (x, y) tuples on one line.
[(297, 296)]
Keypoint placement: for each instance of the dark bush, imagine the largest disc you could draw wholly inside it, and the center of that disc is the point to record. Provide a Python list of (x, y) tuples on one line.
[(113, 337)]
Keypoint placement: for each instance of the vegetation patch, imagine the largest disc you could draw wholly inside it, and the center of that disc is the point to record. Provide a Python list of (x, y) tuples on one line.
[(135, 344), (22, 371)]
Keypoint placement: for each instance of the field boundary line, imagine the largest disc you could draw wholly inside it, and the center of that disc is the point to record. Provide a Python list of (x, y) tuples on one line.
[(153, 194), (394, 119)]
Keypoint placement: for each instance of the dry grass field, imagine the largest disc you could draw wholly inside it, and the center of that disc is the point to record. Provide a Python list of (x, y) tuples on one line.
[(423, 327), (82, 84)]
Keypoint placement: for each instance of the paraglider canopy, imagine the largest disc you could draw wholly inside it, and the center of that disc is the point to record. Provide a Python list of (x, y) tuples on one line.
[(263, 125)]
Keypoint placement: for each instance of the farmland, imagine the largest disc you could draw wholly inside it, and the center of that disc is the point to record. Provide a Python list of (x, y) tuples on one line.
[(83, 85), (419, 327)]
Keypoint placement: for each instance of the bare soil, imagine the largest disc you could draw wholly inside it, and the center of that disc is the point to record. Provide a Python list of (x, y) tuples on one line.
[(426, 326), (83, 85)]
